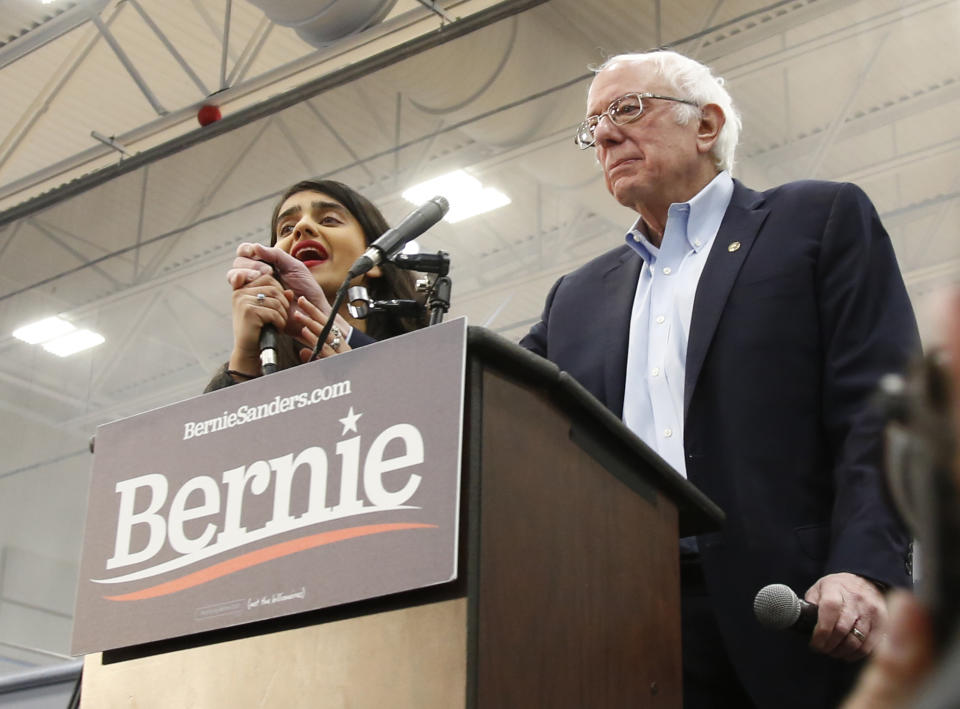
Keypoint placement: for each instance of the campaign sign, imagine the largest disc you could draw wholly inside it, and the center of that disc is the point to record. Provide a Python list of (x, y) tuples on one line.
[(327, 483)]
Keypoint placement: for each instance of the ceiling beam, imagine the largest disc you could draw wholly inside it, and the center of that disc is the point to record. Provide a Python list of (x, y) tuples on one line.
[(215, 30), (884, 113), (360, 162), (928, 152), (48, 31), (225, 43), (41, 103), (139, 321), (141, 213), (731, 66), (18, 382), (129, 66), (251, 51), (165, 41), (298, 150), (48, 232), (715, 42), (353, 58), (828, 138), (204, 199)]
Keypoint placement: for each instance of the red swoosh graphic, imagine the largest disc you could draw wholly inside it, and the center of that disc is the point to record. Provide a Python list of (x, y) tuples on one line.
[(245, 561)]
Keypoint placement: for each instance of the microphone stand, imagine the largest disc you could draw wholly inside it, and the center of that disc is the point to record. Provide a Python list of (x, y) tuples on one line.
[(334, 309), (360, 305), (438, 290), (438, 293), (438, 299)]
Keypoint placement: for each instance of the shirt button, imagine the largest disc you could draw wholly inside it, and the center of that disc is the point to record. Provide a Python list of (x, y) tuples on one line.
[(655, 371), (697, 242), (660, 319), (667, 271), (667, 432), (636, 237)]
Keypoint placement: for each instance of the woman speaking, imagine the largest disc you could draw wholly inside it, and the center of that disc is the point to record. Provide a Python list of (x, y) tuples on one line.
[(318, 229)]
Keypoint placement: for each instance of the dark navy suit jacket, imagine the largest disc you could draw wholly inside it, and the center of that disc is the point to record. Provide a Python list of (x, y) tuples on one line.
[(799, 311)]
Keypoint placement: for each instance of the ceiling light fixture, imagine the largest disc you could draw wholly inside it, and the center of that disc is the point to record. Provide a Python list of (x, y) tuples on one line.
[(58, 336), (465, 193), (71, 343), (43, 330)]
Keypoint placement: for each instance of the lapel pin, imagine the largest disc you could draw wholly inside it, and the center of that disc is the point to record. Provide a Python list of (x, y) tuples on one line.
[(734, 245)]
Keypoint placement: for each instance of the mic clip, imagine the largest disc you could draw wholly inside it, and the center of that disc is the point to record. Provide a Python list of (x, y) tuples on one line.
[(360, 306), (436, 290), (438, 263)]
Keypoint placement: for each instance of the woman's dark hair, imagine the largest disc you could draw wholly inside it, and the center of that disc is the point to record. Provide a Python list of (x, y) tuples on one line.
[(394, 283)]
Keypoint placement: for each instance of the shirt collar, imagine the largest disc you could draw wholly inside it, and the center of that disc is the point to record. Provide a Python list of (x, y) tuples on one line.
[(702, 214), (707, 209), (638, 241)]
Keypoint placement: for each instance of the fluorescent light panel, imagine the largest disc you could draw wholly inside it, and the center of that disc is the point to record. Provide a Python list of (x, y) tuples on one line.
[(73, 342), (58, 336), (465, 193), (43, 330)]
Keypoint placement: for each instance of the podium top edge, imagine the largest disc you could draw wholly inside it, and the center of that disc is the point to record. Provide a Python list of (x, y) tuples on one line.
[(697, 513)]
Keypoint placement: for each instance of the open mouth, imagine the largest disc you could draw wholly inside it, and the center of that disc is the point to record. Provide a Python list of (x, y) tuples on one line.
[(310, 252)]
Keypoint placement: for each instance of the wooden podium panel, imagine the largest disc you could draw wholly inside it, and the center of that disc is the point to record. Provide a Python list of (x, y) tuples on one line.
[(578, 593), (410, 658)]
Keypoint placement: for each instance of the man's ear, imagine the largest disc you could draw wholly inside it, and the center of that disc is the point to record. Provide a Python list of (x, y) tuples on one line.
[(708, 129)]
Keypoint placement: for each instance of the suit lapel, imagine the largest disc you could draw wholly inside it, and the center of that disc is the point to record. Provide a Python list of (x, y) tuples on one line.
[(733, 242), (618, 289)]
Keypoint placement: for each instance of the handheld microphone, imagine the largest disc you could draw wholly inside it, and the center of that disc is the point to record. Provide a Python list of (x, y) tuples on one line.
[(268, 349), (268, 341), (392, 240), (777, 607)]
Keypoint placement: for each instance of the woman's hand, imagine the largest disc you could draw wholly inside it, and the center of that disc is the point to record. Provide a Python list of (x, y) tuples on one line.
[(254, 260), (256, 302), (312, 320)]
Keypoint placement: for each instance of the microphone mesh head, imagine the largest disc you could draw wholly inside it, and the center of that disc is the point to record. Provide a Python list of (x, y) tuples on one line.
[(776, 606), (441, 202)]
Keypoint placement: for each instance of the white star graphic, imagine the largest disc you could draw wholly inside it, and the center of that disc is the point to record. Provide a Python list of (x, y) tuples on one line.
[(350, 422)]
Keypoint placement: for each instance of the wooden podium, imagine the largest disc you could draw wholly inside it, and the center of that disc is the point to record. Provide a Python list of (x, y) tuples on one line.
[(567, 593)]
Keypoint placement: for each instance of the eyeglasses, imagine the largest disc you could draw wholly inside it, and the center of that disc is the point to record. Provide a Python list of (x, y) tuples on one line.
[(621, 111)]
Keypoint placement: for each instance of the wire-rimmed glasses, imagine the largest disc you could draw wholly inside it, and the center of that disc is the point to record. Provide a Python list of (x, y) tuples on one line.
[(621, 111)]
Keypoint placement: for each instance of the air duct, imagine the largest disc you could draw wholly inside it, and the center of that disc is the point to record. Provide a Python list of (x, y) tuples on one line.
[(323, 23)]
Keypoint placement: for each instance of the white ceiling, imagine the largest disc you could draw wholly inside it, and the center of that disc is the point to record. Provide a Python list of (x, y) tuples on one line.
[(136, 245)]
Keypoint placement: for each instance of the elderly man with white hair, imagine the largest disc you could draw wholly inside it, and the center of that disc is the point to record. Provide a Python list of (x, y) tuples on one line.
[(741, 335)]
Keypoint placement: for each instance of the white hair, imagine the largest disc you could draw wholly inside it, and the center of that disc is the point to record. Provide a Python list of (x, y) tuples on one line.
[(695, 82)]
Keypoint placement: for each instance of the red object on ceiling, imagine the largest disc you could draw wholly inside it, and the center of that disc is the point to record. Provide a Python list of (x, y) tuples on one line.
[(208, 114)]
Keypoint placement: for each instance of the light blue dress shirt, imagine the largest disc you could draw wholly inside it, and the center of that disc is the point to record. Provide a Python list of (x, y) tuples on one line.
[(660, 320)]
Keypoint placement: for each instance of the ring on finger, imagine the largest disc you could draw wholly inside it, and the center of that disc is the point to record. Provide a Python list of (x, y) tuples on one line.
[(261, 297), (335, 342), (858, 634)]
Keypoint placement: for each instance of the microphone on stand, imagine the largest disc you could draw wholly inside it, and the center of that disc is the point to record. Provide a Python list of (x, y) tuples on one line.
[(392, 240), (383, 249)]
